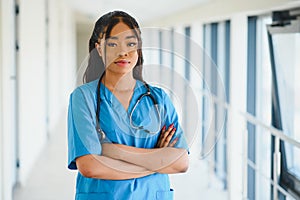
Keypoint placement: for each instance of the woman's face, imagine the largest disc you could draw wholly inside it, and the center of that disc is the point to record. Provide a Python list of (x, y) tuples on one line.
[(120, 55)]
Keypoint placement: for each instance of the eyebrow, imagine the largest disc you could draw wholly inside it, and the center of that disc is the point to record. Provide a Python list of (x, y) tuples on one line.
[(127, 37)]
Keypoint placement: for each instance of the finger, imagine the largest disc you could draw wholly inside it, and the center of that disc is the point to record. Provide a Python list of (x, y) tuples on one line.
[(163, 140), (159, 140), (162, 131), (168, 138), (173, 143), (158, 145), (167, 132)]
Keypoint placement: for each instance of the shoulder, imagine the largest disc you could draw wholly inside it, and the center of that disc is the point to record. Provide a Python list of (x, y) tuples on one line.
[(157, 91), (87, 89), (84, 93)]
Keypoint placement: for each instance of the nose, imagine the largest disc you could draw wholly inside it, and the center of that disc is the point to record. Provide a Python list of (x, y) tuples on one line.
[(123, 53), (123, 50)]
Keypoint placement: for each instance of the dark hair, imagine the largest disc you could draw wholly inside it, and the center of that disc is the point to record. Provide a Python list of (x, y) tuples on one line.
[(104, 25)]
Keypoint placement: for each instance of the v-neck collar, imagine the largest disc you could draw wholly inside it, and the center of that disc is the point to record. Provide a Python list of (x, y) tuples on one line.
[(112, 100)]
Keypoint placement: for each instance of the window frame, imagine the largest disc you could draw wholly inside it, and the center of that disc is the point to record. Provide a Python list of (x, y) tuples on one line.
[(251, 105), (211, 44), (281, 24)]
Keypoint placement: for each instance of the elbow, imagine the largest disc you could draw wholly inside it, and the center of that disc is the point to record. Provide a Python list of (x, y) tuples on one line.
[(86, 172), (182, 164), (85, 166), (184, 168)]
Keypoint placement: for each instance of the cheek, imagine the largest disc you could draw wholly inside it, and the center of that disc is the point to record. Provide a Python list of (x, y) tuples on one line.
[(134, 56), (110, 58)]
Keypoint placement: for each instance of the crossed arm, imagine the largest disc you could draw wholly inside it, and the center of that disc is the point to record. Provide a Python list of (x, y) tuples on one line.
[(119, 162)]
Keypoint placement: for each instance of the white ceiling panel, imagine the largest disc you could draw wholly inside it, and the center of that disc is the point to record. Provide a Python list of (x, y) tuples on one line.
[(143, 10)]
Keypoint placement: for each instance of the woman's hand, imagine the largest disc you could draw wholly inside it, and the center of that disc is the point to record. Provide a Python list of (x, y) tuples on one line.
[(166, 136)]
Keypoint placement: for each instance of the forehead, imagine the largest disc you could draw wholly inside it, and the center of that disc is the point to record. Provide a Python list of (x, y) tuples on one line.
[(121, 30)]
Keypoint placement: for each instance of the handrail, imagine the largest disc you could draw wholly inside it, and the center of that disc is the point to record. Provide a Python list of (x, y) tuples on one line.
[(250, 118), (278, 134), (258, 171)]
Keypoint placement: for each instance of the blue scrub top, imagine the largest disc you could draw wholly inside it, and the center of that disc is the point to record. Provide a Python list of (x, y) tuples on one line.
[(114, 120)]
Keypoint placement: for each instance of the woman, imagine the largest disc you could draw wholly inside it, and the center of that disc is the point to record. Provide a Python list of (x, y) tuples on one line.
[(121, 148)]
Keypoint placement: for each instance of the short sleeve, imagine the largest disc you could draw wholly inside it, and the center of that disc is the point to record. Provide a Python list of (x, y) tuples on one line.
[(171, 116), (82, 135)]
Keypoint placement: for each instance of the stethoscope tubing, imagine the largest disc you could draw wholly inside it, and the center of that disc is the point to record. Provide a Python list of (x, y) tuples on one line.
[(148, 93)]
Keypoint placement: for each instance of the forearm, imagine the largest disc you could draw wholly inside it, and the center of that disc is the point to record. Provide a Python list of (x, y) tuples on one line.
[(178, 166), (102, 167), (162, 160)]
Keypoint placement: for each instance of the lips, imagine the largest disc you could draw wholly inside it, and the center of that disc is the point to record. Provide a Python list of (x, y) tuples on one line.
[(122, 62)]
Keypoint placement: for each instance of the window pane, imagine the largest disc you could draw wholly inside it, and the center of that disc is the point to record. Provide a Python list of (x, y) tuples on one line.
[(263, 110), (286, 53)]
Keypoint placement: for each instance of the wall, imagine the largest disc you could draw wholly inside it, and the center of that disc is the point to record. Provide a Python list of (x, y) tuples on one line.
[(8, 81), (32, 84), (46, 74), (237, 124), (1, 112), (35, 83), (61, 60)]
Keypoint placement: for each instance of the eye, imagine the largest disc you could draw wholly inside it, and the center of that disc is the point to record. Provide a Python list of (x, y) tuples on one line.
[(111, 44), (132, 44)]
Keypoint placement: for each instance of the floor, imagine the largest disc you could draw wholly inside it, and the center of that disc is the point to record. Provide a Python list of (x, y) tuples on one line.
[(51, 180)]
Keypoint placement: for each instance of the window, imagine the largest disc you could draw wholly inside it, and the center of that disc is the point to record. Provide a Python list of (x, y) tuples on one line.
[(187, 69), (284, 41), (263, 110), (258, 105), (251, 105), (216, 37)]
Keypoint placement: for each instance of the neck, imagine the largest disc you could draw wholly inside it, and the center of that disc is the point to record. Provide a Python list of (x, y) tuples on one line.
[(118, 83)]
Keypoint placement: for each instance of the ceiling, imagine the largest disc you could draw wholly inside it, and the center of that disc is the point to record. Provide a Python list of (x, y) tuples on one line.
[(143, 10)]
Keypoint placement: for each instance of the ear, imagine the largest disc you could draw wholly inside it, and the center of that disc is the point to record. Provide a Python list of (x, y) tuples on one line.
[(98, 47)]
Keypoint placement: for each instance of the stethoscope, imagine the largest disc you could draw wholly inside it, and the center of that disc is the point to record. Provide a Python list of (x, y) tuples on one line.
[(101, 133)]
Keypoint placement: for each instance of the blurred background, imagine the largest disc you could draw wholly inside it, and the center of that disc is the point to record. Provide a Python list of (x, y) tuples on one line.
[(233, 65)]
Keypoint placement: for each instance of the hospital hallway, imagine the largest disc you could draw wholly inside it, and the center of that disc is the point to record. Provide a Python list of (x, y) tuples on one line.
[(50, 179), (229, 68)]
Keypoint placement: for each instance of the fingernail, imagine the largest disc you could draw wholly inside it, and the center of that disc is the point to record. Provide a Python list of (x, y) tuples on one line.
[(172, 125)]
